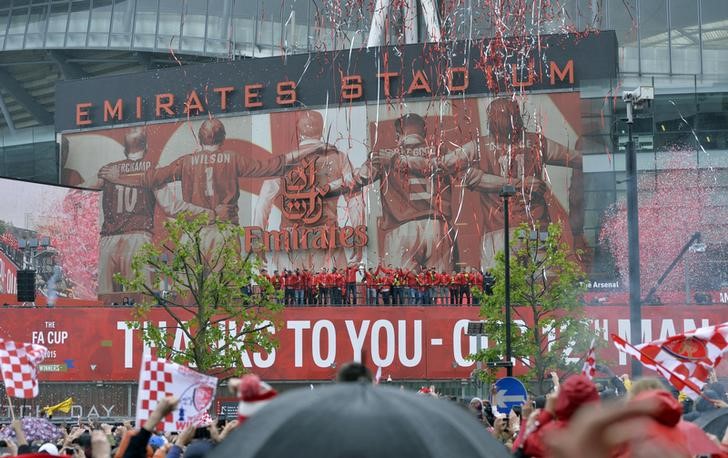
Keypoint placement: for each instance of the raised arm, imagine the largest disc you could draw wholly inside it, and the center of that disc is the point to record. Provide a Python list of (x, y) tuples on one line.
[(153, 178), (477, 180), (557, 154)]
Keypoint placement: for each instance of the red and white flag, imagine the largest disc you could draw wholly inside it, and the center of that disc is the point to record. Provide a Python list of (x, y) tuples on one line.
[(160, 378), (18, 363), (685, 360), (590, 363)]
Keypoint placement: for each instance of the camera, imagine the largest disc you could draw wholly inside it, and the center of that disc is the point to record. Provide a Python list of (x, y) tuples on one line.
[(640, 96)]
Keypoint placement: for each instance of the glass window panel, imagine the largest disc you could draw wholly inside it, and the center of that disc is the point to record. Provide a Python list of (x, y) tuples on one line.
[(685, 37), (146, 17), (590, 14), (244, 12), (654, 36), (192, 44), (79, 16), (715, 36), (482, 24), (18, 20), (170, 18), (122, 19), (623, 19), (58, 19), (269, 28), (101, 16), (218, 19), (295, 18), (37, 21), (194, 21), (4, 17)]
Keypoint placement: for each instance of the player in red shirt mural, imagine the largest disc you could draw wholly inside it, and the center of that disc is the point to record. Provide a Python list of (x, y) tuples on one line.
[(128, 212), (416, 203), (510, 154), (208, 177), (325, 163)]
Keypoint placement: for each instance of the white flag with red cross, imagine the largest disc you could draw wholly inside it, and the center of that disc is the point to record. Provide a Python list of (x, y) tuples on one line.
[(160, 378), (18, 363), (685, 360), (590, 363)]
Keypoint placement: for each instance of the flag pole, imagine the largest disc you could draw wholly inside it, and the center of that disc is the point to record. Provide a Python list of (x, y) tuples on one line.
[(687, 382), (10, 405)]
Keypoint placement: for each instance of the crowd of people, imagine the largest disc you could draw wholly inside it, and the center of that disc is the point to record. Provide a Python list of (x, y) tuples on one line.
[(380, 286), (578, 418)]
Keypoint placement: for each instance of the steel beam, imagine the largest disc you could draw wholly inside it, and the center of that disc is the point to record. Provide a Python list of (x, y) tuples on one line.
[(19, 93), (69, 70)]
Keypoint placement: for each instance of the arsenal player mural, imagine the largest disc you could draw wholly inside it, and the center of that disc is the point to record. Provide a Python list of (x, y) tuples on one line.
[(408, 185)]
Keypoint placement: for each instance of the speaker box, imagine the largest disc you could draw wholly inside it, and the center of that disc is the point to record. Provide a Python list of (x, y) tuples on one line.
[(26, 286)]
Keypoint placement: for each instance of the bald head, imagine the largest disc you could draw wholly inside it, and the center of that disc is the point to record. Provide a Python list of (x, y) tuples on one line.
[(310, 125), (135, 140), (211, 133)]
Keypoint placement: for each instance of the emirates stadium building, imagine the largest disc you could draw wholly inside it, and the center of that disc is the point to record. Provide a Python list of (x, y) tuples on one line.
[(85, 84)]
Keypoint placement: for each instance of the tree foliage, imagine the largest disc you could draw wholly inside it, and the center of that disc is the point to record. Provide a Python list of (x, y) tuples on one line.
[(546, 289), (206, 293)]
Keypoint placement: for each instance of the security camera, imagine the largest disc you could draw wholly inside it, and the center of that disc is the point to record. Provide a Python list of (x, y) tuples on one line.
[(641, 95)]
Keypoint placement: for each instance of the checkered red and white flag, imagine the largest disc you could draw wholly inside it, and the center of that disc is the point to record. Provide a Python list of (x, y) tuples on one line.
[(685, 360), (160, 378), (18, 363), (590, 363)]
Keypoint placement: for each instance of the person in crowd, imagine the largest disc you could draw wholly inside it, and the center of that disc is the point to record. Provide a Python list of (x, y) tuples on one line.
[(476, 284), (385, 285), (372, 287), (350, 274), (338, 286), (574, 393), (455, 297), (488, 283)]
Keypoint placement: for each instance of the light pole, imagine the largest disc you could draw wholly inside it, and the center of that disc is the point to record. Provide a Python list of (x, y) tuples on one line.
[(506, 193), (634, 99)]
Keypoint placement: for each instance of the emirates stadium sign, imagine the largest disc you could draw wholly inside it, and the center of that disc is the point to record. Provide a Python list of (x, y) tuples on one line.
[(367, 74)]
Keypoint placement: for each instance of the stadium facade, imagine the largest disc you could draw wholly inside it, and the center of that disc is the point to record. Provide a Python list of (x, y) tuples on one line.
[(57, 127)]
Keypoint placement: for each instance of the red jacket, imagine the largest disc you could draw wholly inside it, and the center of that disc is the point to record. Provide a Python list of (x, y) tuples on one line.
[(294, 281), (575, 392), (306, 279), (319, 280), (337, 280), (411, 279), (444, 279), (476, 279), (351, 274), (371, 280)]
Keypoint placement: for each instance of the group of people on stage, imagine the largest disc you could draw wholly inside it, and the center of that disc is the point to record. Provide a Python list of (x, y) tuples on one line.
[(381, 286)]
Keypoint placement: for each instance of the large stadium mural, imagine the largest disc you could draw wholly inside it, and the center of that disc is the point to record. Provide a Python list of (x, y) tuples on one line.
[(411, 185)]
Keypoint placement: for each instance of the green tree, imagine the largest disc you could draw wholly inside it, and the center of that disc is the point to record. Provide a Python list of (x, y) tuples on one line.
[(203, 294), (546, 289)]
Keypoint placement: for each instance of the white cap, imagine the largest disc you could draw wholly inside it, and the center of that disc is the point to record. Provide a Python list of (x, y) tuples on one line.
[(48, 448)]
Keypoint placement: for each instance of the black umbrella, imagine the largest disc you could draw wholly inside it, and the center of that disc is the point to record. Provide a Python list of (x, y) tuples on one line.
[(713, 422), (359, 420)]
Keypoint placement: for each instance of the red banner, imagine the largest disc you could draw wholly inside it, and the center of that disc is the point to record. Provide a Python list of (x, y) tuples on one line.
[(95, 343)]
